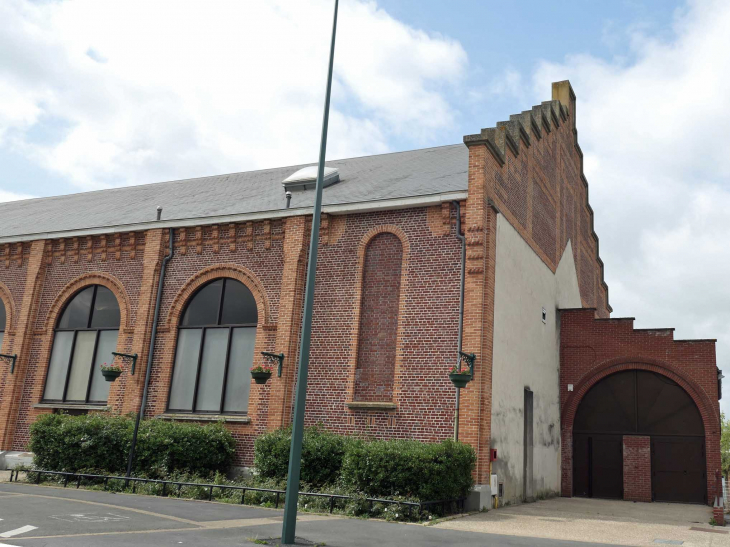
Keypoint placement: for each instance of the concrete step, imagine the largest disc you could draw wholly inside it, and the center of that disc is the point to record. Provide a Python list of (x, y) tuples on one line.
[(12, 459)]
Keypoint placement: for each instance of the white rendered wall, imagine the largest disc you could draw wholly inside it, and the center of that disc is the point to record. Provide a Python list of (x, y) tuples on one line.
[(526, 355)]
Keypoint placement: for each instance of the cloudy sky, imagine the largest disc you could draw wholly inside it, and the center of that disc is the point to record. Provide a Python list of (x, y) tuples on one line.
[(97, 93)]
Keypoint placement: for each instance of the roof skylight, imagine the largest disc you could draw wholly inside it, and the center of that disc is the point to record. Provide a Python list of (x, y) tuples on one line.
[(306, 178)]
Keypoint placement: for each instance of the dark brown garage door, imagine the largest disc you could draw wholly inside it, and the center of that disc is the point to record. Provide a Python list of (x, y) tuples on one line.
[(637, 402), (598, 466), (678, 469)]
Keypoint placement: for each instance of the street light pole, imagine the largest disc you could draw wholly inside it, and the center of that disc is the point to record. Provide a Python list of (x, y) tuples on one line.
[(295, 454)]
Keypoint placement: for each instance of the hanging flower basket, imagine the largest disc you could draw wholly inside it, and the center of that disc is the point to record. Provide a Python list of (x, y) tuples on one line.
[(460, 376), (110, 373), (261, 373), (460, 380)]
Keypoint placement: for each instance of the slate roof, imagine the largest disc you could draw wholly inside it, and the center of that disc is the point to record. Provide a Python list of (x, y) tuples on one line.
[(366, 179)]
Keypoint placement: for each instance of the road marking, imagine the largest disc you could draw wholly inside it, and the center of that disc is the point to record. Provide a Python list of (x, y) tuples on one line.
[(116, 507), (7, 545), (93, 517), (21, 530)]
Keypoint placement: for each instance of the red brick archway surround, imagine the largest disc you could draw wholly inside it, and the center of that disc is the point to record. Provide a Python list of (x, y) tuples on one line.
[(592, 349)]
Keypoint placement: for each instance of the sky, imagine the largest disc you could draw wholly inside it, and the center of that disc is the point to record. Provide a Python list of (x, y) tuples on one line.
[(102, 93)]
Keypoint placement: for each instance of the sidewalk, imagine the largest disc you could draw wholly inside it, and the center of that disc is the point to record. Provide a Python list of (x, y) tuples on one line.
[(604, 521)]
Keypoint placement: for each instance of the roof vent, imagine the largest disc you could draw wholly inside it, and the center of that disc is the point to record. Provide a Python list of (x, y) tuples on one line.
[(306, 178)]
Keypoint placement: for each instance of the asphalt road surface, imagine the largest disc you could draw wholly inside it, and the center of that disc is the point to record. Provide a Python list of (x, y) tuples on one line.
[(38, 516)]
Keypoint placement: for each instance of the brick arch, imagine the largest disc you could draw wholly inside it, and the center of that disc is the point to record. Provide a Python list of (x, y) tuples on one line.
[(7, 298), (98, 278), (232, 271), (710, 417), (355, 342)]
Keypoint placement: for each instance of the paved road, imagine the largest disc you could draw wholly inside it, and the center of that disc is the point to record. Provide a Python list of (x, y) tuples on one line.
[(37, 516)]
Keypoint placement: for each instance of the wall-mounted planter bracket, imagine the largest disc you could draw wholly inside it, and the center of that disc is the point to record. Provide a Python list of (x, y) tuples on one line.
[(12, 359), (131, 356), (275, 357), (468, 359)]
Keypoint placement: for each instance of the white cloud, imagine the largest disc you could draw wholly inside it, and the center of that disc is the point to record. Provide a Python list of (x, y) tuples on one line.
[(12, 196), (655, 138), (171, 89)]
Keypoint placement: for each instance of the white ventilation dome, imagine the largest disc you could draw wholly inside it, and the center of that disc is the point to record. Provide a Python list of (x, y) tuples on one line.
[(306, 178)]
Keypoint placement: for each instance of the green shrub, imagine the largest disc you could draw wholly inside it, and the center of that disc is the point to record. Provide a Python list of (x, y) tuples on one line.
[(98, 443), (322, 455), (426, 471)]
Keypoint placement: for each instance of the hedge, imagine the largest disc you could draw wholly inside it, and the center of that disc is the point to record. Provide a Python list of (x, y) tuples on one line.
[(322, 454), (426, 471), (99, 443), (413, 469)]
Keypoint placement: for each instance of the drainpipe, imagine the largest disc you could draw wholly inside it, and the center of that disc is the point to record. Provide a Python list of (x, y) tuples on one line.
[(150, 355), (461, 310)]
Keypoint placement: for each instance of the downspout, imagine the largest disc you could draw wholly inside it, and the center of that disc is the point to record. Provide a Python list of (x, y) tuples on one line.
[(150, 355), (461, 310)]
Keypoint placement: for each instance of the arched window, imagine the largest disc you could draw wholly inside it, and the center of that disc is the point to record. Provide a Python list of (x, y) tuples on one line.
[(379, 304), (215, 344), (3, 319), (86, 335)]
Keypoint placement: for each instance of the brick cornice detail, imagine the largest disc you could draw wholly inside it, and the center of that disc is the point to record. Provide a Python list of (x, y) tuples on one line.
[(233, 271), (596, 374), (96, 278)]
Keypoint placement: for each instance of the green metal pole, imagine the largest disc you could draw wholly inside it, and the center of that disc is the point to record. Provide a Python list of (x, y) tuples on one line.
[(295, 454)]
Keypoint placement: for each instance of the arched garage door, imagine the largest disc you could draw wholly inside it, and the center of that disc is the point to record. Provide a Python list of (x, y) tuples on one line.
[(638, 402)]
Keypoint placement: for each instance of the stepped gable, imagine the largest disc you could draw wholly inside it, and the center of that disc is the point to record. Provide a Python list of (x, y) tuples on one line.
[(588, 345), (517, 135)]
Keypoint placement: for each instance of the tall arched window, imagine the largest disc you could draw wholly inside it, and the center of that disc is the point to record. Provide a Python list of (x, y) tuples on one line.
[(86, 335), (3, 319), (215, 345), (379, 303)]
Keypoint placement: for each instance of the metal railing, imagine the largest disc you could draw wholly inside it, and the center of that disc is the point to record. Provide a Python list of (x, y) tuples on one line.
[(450, 506)]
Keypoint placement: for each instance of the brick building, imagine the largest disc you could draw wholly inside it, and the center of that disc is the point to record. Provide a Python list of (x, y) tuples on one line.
[(79, 277)]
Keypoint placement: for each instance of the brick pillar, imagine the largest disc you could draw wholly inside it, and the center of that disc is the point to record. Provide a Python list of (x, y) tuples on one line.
[(637, 468), (480, 232), (289, 318), (718, 513), (154, 248), (26, 316)]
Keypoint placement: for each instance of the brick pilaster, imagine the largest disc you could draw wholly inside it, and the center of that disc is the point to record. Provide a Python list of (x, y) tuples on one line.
[(155, 242), (289, 319), (12, 393), (637, 468), (480, 232)]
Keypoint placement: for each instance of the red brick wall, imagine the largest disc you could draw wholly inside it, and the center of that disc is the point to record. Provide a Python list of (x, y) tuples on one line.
[(379, 319), (541, 190), (427, 329), (591, 349), (637, 468)]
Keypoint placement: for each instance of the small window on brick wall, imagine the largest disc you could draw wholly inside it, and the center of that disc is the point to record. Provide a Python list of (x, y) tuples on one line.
[(380, 300)]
